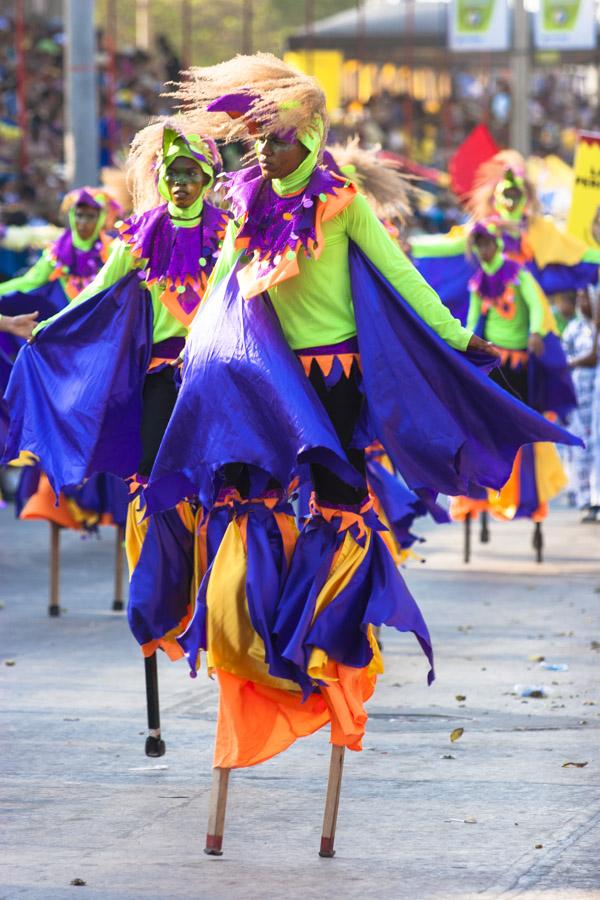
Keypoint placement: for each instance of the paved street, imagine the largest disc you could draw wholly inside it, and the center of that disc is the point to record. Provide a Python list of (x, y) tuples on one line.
[(495, 814)]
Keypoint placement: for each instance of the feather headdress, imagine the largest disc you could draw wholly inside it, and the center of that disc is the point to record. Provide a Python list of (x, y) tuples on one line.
[(380, 180), (506, 165), (251, 95), (146, 151)]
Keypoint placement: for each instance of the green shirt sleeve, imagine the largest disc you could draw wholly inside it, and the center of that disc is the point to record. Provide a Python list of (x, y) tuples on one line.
[(228, 256), (474, 310), (365, 229), (438, 245), (38, 275), (119, 263), (591, 255), (531, 294)]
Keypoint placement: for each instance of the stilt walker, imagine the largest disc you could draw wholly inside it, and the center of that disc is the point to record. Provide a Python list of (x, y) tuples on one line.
[(64, 269), (557, 260), (140, 305), (286, 619), (509, 309)]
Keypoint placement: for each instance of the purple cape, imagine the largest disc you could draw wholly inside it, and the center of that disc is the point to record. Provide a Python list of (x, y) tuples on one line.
[(450, 276), (443, 423), (75, 393), (245, 398)]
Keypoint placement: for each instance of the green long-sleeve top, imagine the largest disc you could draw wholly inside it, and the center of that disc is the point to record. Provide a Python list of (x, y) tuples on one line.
[(35, 277), (315, 307), (439, 245), (528, 319), (120, 262)]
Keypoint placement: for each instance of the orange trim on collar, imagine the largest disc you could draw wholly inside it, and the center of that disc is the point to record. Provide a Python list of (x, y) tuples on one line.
[(250, 279)]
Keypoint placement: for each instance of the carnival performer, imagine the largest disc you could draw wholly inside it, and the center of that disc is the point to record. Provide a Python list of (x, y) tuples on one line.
[(68, 264), (125, 333), (65, 267), (502, 189), (307, 270), (510, 310)]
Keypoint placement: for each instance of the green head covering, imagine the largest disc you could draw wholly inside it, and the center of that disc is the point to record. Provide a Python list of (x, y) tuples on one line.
[(510, 180), (296, 180), (191, 146)]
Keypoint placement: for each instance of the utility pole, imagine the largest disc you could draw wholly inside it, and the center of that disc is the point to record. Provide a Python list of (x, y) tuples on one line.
[(142, 25), (520, 133), (81, 102), (247, 26)]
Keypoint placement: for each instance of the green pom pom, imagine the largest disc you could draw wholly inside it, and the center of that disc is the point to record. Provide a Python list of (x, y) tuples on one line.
[(322, 197), (202, 260), (181, 289), (290, 255)]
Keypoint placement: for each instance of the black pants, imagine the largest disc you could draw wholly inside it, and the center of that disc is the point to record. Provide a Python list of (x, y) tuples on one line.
[(513, 380), (343, 404), (158, 400)]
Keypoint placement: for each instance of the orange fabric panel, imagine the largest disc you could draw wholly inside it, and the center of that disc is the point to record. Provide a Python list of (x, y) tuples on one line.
[(345, 698), (41, 505), (256, 722), (460, 507)]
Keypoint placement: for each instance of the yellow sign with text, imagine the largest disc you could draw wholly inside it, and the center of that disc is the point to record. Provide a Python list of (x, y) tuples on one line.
[(584, 216)]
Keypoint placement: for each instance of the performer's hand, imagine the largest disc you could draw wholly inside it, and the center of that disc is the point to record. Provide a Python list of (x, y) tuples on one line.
[(535, 344), (481, 346), (20, 326)]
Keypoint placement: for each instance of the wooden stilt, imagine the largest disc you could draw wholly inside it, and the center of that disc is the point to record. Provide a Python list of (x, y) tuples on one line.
[(54, 604), (467, 550), (216, 814), (332, 801), (155, 746), (484, 534), (118, 602), (538, 542), (377, 636)]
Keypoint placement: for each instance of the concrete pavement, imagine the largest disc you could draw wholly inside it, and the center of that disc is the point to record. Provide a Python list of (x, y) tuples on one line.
[(493, 815)]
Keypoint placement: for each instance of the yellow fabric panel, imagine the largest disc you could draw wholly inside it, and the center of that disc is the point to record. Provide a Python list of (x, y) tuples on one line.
[(233, 645), (549, 321), (550, 477), (85, 518), (25, 458), (342, 571), (321, 669), (551, 245), (135, 533), (504, 504)]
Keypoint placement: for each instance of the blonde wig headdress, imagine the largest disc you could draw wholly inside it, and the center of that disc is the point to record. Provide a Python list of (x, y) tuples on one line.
[(251, 95), (506, 166)]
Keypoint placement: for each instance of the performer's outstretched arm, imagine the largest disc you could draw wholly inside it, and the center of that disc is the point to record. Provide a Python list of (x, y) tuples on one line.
[(365, 229)]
